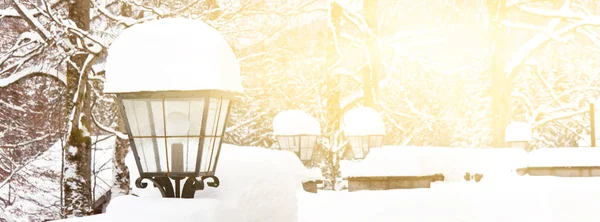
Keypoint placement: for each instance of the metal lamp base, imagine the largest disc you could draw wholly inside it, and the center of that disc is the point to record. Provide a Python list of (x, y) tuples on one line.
[(164, 185)]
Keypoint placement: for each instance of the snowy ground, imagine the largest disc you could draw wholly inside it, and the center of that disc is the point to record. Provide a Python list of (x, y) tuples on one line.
[(526, 199), (264, 185)]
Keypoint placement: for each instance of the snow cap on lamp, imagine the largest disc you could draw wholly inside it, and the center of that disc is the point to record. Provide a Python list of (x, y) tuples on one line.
[(171, 54), (363, 121), (518, 132), (295, 122)]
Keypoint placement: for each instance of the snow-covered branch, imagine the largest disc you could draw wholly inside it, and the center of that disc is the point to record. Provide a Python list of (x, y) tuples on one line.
[(559, 116), (17, 145), (527, 26), (16, 170), (107, 129), (40, 69), (523, 97), (32, 21), (534, 43)]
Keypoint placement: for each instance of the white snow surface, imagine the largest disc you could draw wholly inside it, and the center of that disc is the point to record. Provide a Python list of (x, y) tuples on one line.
[(363, 121), (130, 208), (519, 199), (257, 184), (295, 122), (569, 156), (313, 174), (518, 132), (452, 162), (171, 54)]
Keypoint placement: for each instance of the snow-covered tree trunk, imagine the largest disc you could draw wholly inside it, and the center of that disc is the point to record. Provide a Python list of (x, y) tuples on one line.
[(501, 88), (77, 176), (120, 172), (332, 95), (372, 70)]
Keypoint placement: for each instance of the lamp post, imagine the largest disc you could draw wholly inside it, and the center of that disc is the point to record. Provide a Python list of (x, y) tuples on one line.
[(175, 81), (518, 135), (365, 130), (297, 132)]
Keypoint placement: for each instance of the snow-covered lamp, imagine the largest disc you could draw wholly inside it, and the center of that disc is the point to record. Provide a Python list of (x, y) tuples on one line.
[(175, 80), (365, 130), (518, 135), (296, 131)]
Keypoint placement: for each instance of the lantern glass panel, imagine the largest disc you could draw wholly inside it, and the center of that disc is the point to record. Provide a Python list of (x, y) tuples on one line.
[(215, 125), (173, 150), (183, 154), (143, 116), (217, 113), (361, 145), (307, 147), (302, 145), (151, 154)]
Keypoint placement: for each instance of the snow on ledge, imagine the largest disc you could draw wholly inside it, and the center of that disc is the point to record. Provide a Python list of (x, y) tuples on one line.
[(171, 54), (313, 174), (518, 132), (363, 121), (387, 161), (295, 122), (570, 156), (451, 162)]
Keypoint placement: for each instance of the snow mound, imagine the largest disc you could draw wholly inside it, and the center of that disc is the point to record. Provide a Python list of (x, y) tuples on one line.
[(571, 156), (257, 184), (295, 122), (171, 54), (518, 132), (363, 121), (130, 208)]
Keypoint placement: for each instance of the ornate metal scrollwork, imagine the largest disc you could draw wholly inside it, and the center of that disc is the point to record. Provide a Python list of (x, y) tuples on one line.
[(164, 185)]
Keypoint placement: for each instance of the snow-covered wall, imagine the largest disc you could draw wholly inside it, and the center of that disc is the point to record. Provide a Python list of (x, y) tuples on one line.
[(571, 156), (257, 184)]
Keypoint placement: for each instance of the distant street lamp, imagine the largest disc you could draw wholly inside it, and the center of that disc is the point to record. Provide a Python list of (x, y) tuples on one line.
[(296, 131), (365, 130), (518, 135), (175, 80)]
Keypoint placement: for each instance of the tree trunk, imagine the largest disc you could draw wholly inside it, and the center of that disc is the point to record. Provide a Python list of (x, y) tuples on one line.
[(77, 181), (501, 87), (121, 180), (120, 171), (332, 95), (372, 71)]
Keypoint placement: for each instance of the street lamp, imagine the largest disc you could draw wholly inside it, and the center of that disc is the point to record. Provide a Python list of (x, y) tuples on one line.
[(296, 131), (175, 80), (518, 135), (365, 130)]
